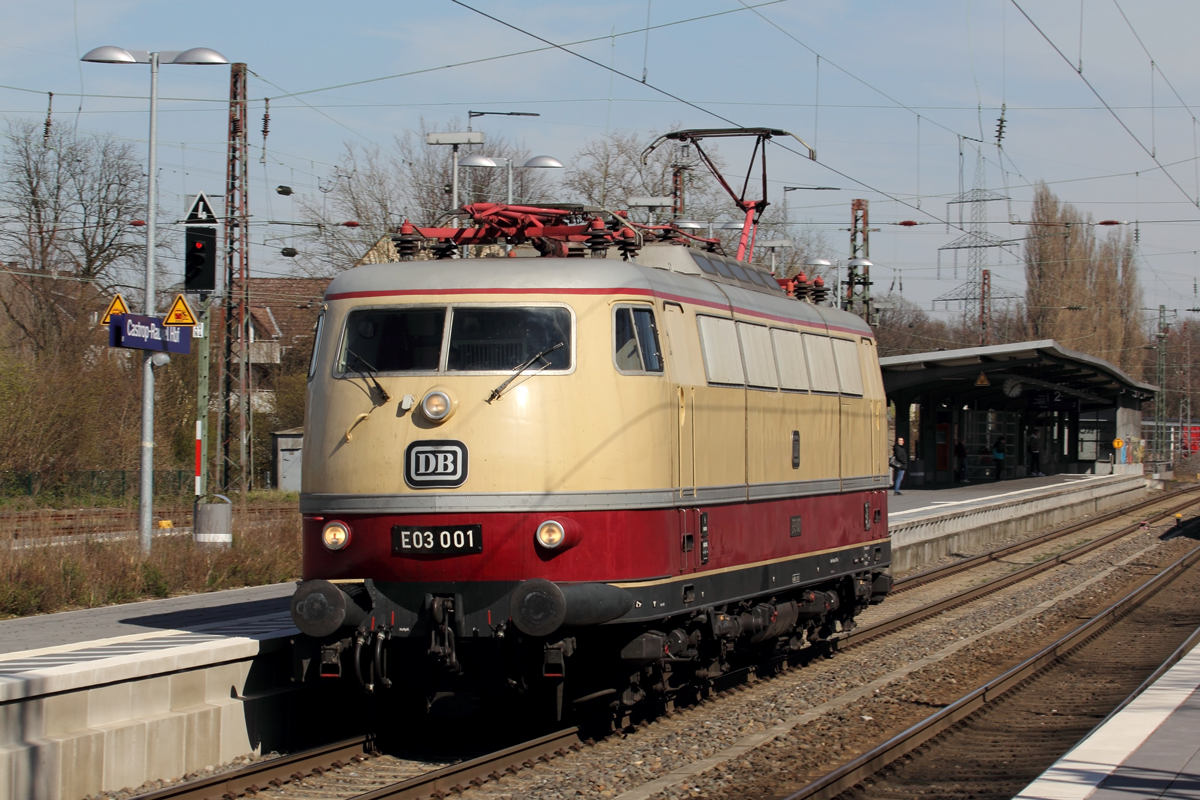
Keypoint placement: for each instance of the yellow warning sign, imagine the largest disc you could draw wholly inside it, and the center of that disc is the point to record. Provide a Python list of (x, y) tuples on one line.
[(982, 380), (117, 306), (180, 313)]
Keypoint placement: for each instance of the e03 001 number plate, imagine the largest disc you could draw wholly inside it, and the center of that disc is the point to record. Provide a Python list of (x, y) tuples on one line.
[(413, 540)]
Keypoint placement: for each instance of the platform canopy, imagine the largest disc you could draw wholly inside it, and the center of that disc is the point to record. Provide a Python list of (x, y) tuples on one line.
[(1018, 375)]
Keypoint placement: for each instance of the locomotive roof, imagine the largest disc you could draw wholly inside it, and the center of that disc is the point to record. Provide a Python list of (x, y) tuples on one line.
[(545, 277)]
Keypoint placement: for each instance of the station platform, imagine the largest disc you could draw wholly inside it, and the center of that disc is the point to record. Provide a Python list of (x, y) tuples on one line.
[(107, 698), (1147, 749), (961, 496), (931, 524)]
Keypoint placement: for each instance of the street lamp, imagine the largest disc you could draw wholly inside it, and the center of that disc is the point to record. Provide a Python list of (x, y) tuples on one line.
[(473, 114), (489, 162), (812, 188), (454, 140), (822, 265), (119, 55), (651, 204), (773, 245)]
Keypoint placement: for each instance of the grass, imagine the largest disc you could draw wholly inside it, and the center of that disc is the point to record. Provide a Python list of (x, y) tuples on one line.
[(41, 580)]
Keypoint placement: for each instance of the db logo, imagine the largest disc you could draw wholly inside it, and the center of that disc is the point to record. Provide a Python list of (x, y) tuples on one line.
[(437, 464)]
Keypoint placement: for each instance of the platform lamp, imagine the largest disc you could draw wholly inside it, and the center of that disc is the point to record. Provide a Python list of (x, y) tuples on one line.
[(119, 55), (651, 204), (823, 264), (773, 245), (454, 140), (489, 162)]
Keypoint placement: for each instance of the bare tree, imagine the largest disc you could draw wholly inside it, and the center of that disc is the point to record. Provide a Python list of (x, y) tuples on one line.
[(1081, 290), (380, 189), (65, 236), (608, 170)]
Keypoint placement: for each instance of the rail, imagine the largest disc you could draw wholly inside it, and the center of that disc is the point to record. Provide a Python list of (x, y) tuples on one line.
[(871, 762), (457, 778)]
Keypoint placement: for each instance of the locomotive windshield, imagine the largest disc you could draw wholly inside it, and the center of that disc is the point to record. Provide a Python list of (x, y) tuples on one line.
[(393, 340), (481, 339), (489, 339)]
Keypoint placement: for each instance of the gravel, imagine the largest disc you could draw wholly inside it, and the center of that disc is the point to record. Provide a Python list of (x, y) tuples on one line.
[(621, 764)]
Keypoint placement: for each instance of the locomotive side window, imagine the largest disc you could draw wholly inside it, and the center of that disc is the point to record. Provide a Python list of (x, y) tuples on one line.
[(393, 340), (635, 340), (789, 356), (721, 267), (822, 369), (704, 264), (737, 270), (849, 370), (722, 356), (316, 348), (488, 339), (756, 350)]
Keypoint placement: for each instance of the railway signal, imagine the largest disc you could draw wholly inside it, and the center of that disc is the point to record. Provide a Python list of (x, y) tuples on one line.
[(200, 259)]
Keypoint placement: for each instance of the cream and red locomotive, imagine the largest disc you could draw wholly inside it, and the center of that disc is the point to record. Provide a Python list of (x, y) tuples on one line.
[(609, 469)]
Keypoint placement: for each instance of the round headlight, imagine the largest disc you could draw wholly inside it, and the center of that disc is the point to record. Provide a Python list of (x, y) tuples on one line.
[(550, 534), (436, 406), (335, 535)]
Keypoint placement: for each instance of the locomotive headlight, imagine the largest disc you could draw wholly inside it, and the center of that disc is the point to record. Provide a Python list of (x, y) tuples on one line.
[(437, 405), (550, 534), (335, 535)]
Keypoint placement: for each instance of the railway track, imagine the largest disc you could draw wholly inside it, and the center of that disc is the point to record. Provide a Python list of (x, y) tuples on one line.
[(289, 775), (998, 737)]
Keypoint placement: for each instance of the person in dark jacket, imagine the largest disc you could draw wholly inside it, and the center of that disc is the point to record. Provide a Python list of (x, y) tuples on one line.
[(899, 461), (998, 458), (960, 455)]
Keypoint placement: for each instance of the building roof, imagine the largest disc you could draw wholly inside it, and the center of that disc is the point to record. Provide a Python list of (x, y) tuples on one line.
[(979, 373), (282, 310)]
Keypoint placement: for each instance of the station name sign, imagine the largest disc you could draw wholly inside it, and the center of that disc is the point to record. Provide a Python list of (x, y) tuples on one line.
[(148, 333)]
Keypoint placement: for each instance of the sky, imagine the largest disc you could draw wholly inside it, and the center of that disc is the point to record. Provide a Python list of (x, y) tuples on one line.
[(1100, 100)]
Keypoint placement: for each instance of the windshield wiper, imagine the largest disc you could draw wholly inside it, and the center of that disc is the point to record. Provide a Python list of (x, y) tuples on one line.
[(520, 368), (384, 397)]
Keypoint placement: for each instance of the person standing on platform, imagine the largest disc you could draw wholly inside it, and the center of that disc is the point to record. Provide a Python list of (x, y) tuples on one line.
[(899, 462), (960, 455), (1035, 456), (998, 458)]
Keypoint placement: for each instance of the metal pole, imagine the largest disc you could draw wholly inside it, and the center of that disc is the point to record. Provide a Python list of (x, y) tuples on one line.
[(146, 487), (454, 182), (508, 245), (202, 396)]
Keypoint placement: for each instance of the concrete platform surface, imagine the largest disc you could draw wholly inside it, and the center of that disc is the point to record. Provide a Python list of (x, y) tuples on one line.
[(930, 524), (922, 502), (176, 614), (1148, 749)]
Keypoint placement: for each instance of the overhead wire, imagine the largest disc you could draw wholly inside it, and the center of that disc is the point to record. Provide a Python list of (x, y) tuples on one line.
[(550, 46), (1115, 115)]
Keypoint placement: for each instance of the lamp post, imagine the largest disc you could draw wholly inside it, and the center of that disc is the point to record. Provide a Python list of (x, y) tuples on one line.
[(772, 245), (454, 140), (489, 162), (119, 55), (651, 204), (822, 264)]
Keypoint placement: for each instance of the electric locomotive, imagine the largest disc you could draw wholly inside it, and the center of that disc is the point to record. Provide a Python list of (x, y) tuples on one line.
[(602, 468)]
